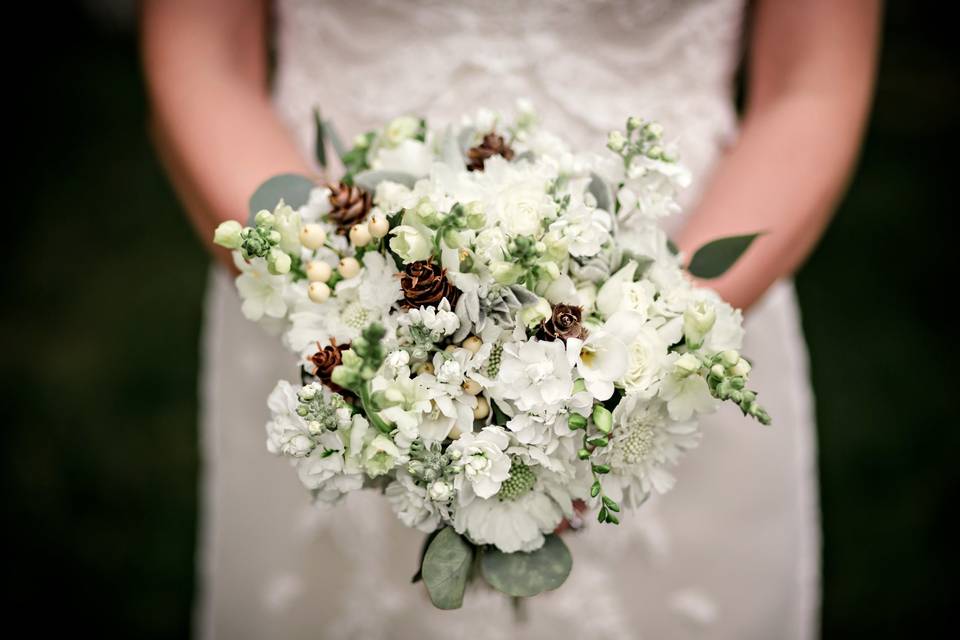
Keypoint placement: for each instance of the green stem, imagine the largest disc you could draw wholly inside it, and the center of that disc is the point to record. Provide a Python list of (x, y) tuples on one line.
[(367, 403)]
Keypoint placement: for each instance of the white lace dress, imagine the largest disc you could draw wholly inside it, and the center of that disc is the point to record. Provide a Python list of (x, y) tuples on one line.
[(732, 552)]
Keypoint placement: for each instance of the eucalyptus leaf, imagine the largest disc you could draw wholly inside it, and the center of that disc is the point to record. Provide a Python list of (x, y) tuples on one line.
[(330, 133), (600, 190), (370, 179), (527, 574), (714, 258), (292, 188), (446, 566), (320, 142)]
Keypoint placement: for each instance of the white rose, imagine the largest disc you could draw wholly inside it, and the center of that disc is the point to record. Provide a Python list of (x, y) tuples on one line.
[(523, 207)]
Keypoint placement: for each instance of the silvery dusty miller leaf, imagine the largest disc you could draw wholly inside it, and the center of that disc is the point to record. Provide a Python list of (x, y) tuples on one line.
[(446, 566)]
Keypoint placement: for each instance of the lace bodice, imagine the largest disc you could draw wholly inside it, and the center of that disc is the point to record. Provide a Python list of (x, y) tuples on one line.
[(585, 64)]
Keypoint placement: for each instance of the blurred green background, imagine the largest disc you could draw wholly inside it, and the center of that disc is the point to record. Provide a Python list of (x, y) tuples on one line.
[(99, 452)]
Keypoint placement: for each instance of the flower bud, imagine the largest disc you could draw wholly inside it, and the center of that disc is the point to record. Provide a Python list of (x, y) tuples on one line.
[(227, 234), (615, 141), (278, 262), (506, 272), (318, 292), (440, 491), (472, 387), (718, 370), (312, 236), (742, 368), (482, 410), (349, 267), (318, 271), (729, 358), (698, 319), (687, 364), (472, 344), (360, 235), (536, 313), (379, 225), (576, 421), (602, 418), (264, 218)]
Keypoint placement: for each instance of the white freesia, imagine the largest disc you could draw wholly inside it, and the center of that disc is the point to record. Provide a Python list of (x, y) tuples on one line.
[(602, 358), (685, 390)]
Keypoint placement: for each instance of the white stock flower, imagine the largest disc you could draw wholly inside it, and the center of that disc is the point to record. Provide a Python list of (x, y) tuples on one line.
[(440, 321), (651, 188), (535, 375), (287, 433), (413, 504), (262, 292), (482, 462)]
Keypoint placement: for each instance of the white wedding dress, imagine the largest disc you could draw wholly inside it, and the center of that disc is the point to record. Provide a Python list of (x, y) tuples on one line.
[(732, 552)]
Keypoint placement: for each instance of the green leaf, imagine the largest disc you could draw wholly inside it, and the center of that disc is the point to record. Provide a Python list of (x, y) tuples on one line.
[(370, 179), (330, 133), (445, 569), (292, 188), (714, 258), (527, 574), (600, 190), (320, 142), (418, 576)]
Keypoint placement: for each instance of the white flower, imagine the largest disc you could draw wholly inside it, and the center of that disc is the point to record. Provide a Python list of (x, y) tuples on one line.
[(410, 244), (440, 321), (647, 361), (602, 358), (409, 156), (391, 197), (412, 504), (510, 525), (727, 332), (535, 375), (333, 468), (490, 244), (262, 292), (643, 445), (484, 465), (400, 129), (585, 229), (227, 234), (380, 456), (287, 433), (518, 199), (408, 398), (398, 358), (685, 390), (317, 206), (651, 188)]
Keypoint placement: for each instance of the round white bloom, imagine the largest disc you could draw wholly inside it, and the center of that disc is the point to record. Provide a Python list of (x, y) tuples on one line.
[(685, 390), (510, 525), (400, 129), (409, 156), (602, 358), (535, 375), (585, 230), (410, 244), (380, 456), (644, 443), (287, 433), (391, 197), (261, 291), (647, 362), (482, 461)]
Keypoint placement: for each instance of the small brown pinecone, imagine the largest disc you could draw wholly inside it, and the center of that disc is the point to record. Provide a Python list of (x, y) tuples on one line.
[(492, 145), (562, 324), (326, 359), (350, 206), (425, 284)]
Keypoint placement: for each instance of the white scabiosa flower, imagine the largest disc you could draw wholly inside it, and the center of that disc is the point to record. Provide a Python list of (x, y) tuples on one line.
[(482, 462), (644, 444), (516, 518)]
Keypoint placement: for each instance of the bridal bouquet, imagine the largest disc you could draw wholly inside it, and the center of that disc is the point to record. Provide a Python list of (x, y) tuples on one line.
[(493, 331)]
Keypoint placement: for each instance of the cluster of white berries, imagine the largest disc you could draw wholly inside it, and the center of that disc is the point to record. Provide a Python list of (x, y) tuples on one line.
[(313, 237)]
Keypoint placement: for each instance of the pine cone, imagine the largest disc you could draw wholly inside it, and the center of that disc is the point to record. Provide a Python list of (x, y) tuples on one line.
[(326, 359), (563, 324), (425, 284), (492, 145), (350, 206)]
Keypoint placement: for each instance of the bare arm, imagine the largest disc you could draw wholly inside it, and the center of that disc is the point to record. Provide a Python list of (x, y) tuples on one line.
[(810, 80), (215, 128)]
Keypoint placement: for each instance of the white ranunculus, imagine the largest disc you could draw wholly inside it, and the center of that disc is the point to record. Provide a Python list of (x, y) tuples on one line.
[(483, 464), (410, 244)]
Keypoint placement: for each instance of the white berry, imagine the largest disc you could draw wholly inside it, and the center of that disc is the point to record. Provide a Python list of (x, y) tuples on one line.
[(379, 226), (318, 271), (312, 236), (360, 235), (318, 292), (349, 267)]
